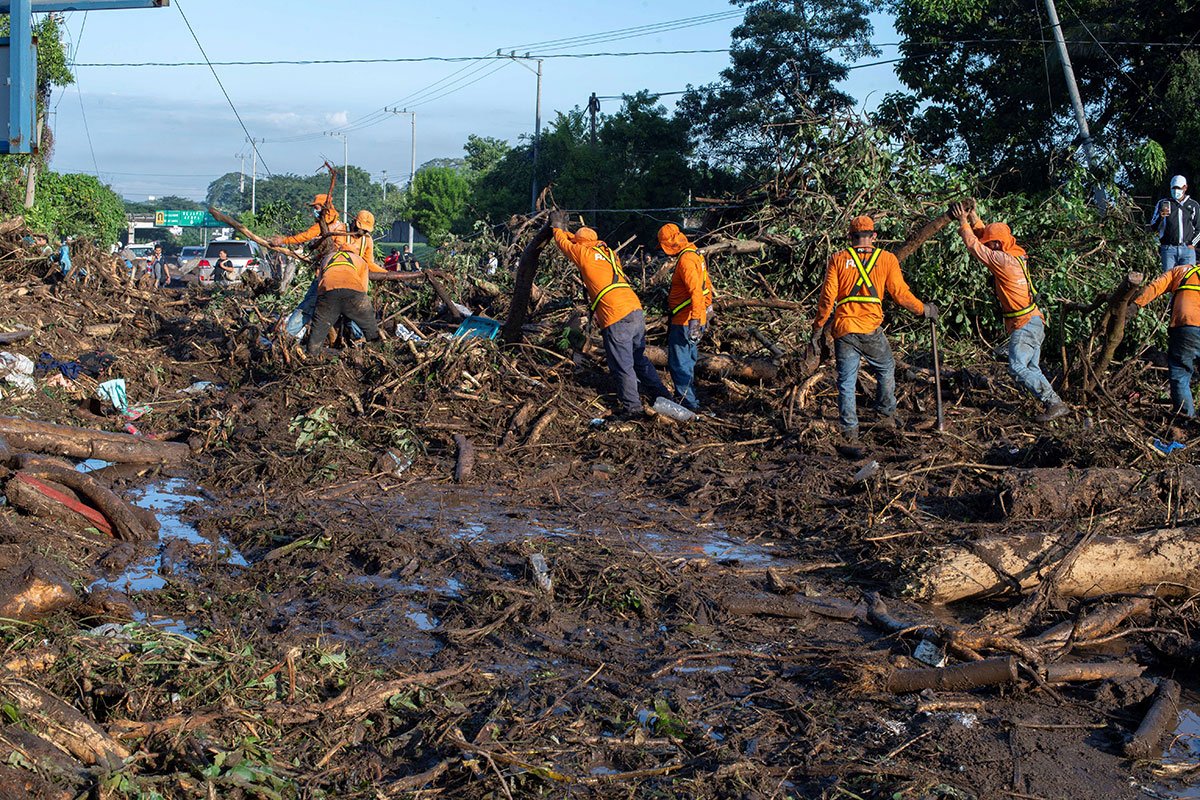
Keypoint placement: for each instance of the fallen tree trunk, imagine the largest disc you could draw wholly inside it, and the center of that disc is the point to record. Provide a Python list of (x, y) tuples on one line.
[(721, 366), (61, 724), (126, 523), (926, 233), (1102, 671), (988, 672), (465, 462), (221, 216), (729, 303), (734, 247), (1093, 626), (54, 501), (403, 277), (523, 284), (1113, 323), (443, 295), (1160, 716), (1105, 565), (31, 436), (34, 595)]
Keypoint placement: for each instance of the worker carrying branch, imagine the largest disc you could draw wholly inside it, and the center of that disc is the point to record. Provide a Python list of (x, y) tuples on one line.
[(995, 247), (689, 306), (342, 280), (617, 311), (1183, 335), (856, 280)]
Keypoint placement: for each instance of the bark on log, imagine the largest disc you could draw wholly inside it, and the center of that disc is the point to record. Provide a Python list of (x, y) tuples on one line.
[(6, 453), (1106, 565), (721, 366), (523, 284), (126, 523), (1093, 626), (61, 724), (31, 436), (465, 462), (443, 295), (9, 337), (1160, 716), (1113, 322), (1102, 671), (518, 422), (34, 595), (37, 498), (729, 303), (738, 247), (988, 672), (539, 427), (403, 277), (922, 236), (232, 222)]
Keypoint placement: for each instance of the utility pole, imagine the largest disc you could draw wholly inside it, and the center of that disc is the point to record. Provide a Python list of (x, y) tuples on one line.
[(242, 173), (254, 143), (537, 119), (385, 186), (1072, 88), (345, 174), (593, 110), (412, 169)]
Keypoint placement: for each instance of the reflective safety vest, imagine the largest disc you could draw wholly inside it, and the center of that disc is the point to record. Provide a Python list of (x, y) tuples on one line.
[(1029, 309), (619, 280), (1194, 287), (864, 290), (703, 278)]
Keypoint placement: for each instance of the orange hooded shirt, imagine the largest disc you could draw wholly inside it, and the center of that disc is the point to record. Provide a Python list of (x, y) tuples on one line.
[(841, 278), (346, 268), (691, 290), (610, 297), (331, 219), (1185, 305), (1009, 269)]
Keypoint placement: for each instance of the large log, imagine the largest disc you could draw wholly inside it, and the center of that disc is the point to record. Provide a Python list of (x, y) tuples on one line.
[(31, 436), (957, 678), (61, 724), (523, 284), (234, 223), (126, 523), (1162, 715), (721, 366), (1113, 323), (1105, 565)]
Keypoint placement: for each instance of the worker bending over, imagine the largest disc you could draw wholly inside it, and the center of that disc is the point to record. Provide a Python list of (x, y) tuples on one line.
[(856, 280), (688, 303), (1007, 261), (617, 311), (342, 281), (1183, 336)]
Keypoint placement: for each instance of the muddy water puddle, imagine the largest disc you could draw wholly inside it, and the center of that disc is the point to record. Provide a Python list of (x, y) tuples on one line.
[(1179, 769)]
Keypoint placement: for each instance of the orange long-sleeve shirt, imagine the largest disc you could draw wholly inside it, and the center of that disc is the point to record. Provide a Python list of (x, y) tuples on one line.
[(1185, 306), (598, 274), (690, 284), (347, 269), (841, 276), (314, 230), (1009, 278)]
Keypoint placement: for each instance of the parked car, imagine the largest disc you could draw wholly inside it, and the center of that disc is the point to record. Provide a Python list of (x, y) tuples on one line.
[(189, 258), (244, 255), (140, 250)]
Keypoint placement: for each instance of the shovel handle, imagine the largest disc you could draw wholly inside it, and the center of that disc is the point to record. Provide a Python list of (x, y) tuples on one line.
[(937, 376)]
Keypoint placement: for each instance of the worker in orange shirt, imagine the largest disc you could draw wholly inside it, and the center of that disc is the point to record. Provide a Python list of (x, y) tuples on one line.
[(342, 281), (856, 280), (617, 312), (1183, 335), (688, 304), (995, 246), (322, 208)]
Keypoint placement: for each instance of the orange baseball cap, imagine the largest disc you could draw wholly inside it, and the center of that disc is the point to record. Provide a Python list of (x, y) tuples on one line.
[(862, 224), (320, 200)]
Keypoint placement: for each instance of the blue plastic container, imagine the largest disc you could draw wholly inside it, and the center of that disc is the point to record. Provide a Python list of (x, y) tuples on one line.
[(478, 326)]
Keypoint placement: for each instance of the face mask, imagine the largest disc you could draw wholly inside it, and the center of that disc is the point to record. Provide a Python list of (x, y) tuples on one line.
[(317, 213), (1178, 192)]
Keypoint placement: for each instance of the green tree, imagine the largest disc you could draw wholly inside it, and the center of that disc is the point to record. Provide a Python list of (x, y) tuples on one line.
[(484, 153), (783, 68), (78, 206), (437, 203), (987, 86)]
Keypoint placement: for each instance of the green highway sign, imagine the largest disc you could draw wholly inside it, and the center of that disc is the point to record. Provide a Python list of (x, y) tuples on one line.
[(186, 219)]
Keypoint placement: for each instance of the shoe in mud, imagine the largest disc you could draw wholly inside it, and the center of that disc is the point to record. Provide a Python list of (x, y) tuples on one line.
[(887, 422), (850, 436), (1055, 411), (631, 415)]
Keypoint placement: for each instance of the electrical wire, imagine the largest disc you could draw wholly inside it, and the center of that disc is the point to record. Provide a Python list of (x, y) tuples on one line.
[(228, 99)]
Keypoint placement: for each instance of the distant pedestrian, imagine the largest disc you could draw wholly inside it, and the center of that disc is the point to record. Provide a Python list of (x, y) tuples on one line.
[(1177, 223), (162, 272), (64, 257), (492, 263), (224, 271), (408, 262), (392, 262)]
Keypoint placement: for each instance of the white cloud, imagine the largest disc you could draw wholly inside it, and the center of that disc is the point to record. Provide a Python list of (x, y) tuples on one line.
[(339, 119)]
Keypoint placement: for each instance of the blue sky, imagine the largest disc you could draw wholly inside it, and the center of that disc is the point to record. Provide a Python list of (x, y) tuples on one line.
[(159, 131)]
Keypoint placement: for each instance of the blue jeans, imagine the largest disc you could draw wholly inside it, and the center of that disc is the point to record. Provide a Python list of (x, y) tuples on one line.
[(299, 319), (625, 349), (1183, 348), (850, 350), (682, 354), (1174, 255), (1024, 353)]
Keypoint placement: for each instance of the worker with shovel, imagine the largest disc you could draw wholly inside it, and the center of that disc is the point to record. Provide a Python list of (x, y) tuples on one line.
[(688, 305), (1183, 335), (856, 280), (615, 306), (995, 247)]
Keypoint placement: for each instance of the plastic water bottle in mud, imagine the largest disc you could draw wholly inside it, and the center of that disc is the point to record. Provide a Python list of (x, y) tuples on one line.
[(673, 410)]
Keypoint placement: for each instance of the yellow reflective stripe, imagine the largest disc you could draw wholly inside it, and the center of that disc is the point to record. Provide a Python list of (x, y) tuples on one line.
[(1191, 286), (858, 299), (1029, 309), (703, 277), (864, 277), (605, 291), (688, 302)]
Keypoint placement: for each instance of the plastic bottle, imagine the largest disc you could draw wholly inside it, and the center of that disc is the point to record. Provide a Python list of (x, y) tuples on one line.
[(673, 410)]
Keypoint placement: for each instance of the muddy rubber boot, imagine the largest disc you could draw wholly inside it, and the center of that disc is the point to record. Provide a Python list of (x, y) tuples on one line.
[(1053, 412), (850, 436), (887, 422)]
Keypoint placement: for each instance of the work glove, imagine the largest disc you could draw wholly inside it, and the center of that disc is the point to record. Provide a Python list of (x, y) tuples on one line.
[(558, 219), (957, 210), (693, 333), (931, 311), (709, 318), (815, 341), (1132, 308)]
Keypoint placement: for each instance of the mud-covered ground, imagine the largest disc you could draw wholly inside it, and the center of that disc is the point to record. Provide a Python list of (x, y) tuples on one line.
[(328, 613)]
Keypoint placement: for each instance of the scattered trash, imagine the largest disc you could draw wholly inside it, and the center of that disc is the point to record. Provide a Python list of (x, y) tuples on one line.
[(669, 408), (393, 462), (97, 363), (596, 422), (404, 334), (474, 326), (200, 387), (541, 573), (17, 370), (1167, 448), (111, 630), (135, 412), (866, 473), (58, 379), (69, 369), (114, 392), (928, 653)]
